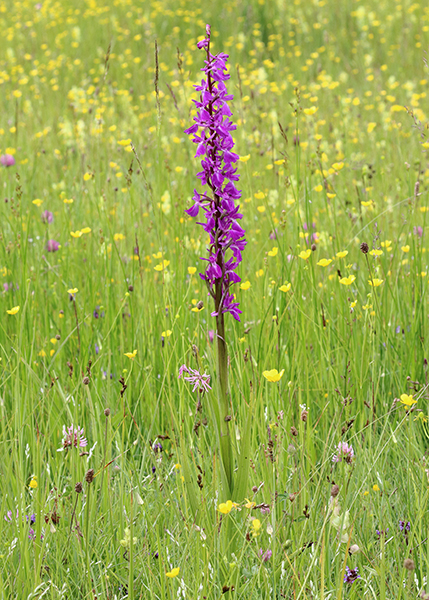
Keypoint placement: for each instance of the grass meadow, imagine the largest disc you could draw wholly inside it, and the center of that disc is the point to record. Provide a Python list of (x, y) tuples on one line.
[(111, 483)]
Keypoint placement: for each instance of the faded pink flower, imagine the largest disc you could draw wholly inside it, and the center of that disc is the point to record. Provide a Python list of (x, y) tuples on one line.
[(344, 452), (73, 436), (7, 160)]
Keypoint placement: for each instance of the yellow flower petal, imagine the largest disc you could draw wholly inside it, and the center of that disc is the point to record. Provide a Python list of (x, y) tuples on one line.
[(324, 262), (305, 254), (274, 376), (342, 254), (173, 573), (245, 285), (273, 252), (375, 282), (407, 400), (162, 265), (13, 310), (131, 354), (72, 291), (347, 280), (285, 287)]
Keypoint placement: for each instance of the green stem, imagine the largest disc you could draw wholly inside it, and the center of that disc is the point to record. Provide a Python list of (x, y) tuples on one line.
[(87, 531), (223, 399)]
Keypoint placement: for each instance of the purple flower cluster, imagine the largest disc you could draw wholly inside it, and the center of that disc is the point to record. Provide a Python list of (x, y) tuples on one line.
[(31, 519), (200, 382), (344, 452), (351, 575), (73, 436), (7, 160), (212, 134), (265, 556), (405, 527)]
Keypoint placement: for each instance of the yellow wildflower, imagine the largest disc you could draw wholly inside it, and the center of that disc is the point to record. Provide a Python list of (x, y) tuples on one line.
[(173, 573), (305, 254), (407, 400), (347, 280), (162, 265), (226, 507), (324, 262), (274, 376)]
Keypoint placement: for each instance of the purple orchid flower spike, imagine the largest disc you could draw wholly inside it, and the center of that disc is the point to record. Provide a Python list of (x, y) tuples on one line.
[(218, 210), (211, 132)]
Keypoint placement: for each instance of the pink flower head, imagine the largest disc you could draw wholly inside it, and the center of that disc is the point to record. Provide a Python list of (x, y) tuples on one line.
[(7, 160), (47, 216), (73, 436), (344, 451), (200, 382), (52, 246), (265, 556)]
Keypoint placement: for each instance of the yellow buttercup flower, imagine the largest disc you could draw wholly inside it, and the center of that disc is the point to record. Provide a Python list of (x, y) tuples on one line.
[(407, 400), (173, 573), (192, 270), (13, 310), (342, 254), (76, 234), (375, 282), (226, 507), (285, 287), (274, 376), (305, 254), (310, 111), (347, 280), (167, 333), (37, 202), (72, 291), (324, 262), (249, 504), (256, 526), (273, 252), (131, 355), (33, 483), (162, 265), (245, 285)]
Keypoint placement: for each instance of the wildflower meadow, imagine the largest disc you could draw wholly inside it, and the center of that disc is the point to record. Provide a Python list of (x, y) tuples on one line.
[(213, 299)]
